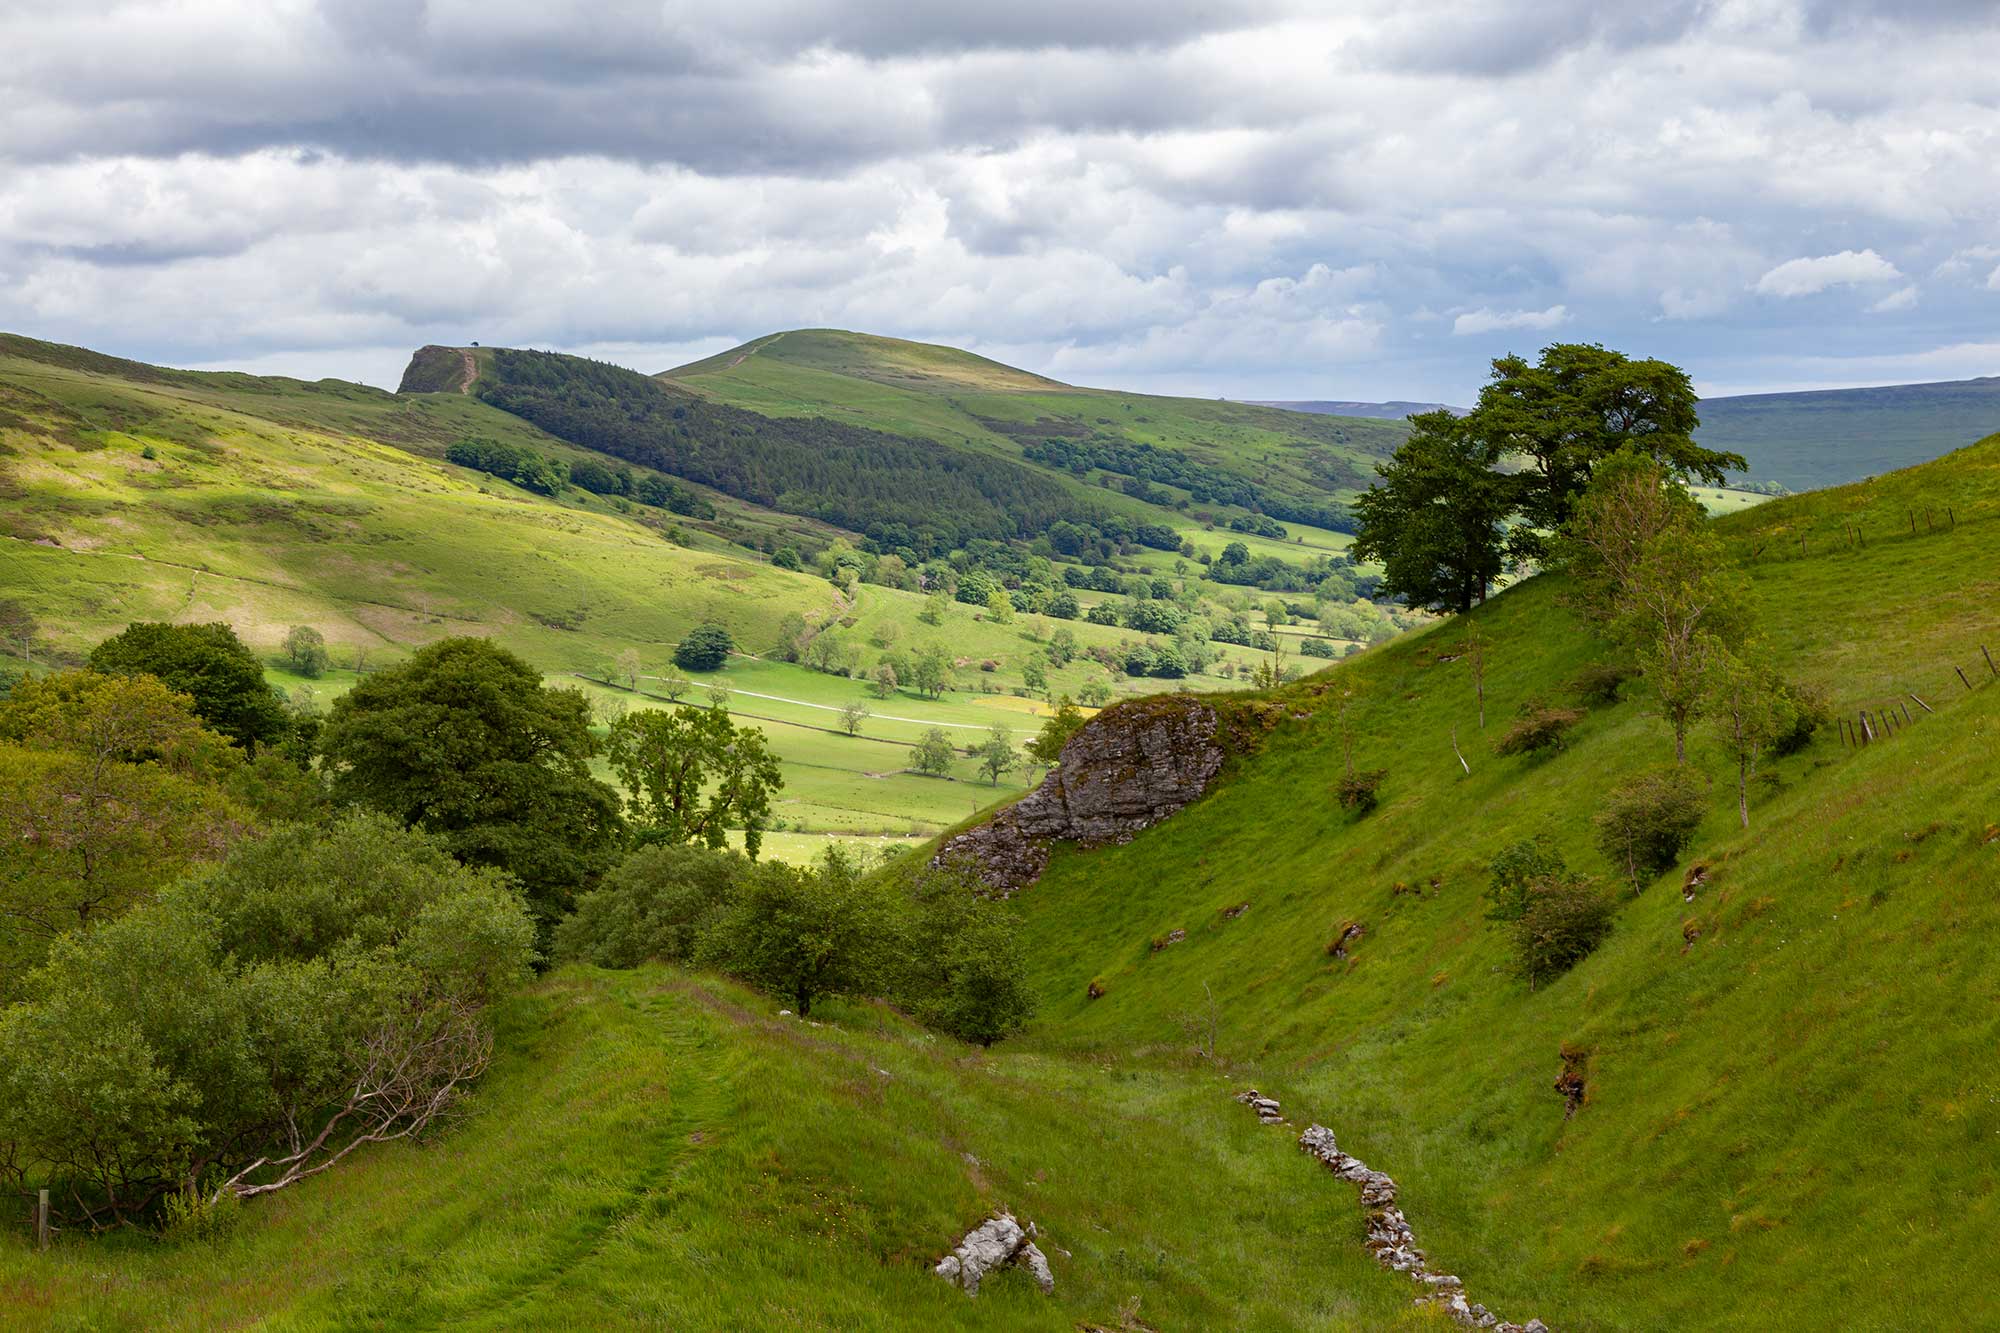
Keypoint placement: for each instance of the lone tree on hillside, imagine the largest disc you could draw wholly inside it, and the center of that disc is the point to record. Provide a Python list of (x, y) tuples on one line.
[(305, 651), (852, 714), (705, 648), (1749, 709), (933, 753), (997, 754), (627, 667), (1648, 569)]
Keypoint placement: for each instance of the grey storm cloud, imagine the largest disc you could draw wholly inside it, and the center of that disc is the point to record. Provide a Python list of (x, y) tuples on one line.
[(1278, 198)]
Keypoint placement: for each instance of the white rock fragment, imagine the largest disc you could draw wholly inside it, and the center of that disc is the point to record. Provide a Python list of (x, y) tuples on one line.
[(992, 1244)]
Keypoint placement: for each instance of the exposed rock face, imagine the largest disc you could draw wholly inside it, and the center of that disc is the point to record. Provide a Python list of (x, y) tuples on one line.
[(1128, 768), (1390, 1239), (992, 1244)]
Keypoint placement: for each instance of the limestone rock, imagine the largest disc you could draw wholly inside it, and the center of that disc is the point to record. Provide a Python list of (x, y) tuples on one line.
[(1127, 769), (992, 1244)]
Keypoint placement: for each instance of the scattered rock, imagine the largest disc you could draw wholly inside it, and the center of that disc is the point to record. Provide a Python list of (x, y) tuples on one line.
[(1231, 913), (1171, 937), (1697, 876), (992, 1244), (1690, 932), (1095, 990), (1570, 1081), (1127, 769), (1349, 932)]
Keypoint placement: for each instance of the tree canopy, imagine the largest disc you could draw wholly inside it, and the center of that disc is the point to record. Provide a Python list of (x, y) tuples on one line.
[(689, 773), (210, 665), (465, 741), (1436, 522)]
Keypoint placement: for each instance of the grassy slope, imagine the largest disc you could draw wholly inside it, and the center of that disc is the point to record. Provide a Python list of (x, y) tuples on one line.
[(654, 1151), (944, 394), (1828, 437), (1795, 1114)]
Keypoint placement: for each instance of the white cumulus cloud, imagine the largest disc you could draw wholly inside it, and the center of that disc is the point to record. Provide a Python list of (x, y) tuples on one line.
[(1805, 277), (1903, 298), (1484, 320)]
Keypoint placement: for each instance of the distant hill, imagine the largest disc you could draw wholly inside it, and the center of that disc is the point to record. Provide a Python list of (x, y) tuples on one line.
[(1179, 453), (1828, 437), (1394, 410)]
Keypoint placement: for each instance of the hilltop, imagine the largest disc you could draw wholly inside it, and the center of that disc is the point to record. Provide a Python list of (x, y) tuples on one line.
[(1394, 410), (1827, 437)]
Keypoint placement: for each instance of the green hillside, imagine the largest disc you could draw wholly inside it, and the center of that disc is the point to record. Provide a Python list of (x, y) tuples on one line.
[(131, 492), (943, 394), (1830, 437), (1789, 1117)]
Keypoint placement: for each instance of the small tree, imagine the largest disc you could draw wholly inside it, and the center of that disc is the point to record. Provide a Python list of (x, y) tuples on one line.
[(305, 651), (1055, 733), (885, 681), (964, 969), (935, 607), (1034, 676), (628, 668), (932, 672), (674, 685), (705, 648), (804, 933), (1475, 664), (689, 773), (1062, 646), (1096, 692), (852, 714), (997, 754), (933, 753), (1648, 819), (1748, 708), (1000, 607), (719, 694), (1515, 872)]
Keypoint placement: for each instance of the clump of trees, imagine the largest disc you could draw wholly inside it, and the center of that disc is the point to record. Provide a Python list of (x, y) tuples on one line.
[(941, 949), (208, 664), (933, 753), (1445, 522), (305, 651), (704, 648), (322, 989)]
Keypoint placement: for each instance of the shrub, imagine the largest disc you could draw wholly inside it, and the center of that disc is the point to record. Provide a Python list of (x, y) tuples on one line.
[(1359, 791), (321, 988), (1564, 919), (1515, 871), (964, 971), (705, 648), (1539, 728), (1810, 710), (802, 933), (1649, 819), (658, 903), (1316, 648), (1599, 683)]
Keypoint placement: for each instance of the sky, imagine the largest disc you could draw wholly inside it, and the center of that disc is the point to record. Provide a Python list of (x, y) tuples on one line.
[(1368, 200)]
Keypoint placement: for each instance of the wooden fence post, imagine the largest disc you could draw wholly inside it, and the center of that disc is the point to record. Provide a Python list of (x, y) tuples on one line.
[(42, 1219), (1989, 660), (1961, 677), (1921, 704)]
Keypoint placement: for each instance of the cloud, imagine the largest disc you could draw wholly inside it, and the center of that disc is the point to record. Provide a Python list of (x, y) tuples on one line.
[(1258, 199), (1806, 277), (1993, 280), (1484, 320)]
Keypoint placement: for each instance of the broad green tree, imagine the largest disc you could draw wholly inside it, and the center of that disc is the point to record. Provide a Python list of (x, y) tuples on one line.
[(997, 754), (465, 741), (931, 672), (210, 665), (1436, 521), (305, 651), (933, 753), (691, 773)]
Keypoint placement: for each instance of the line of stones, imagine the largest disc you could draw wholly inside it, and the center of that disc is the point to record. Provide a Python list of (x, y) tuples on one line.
[(1389, 1237)]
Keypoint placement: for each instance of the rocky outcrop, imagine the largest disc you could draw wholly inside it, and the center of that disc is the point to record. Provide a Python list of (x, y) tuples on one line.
[(996, 1243), (1127, 769), (1389, 1237)]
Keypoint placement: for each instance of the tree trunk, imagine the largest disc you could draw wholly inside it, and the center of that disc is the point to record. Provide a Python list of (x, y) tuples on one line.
[(1680, 744), (1743, 791)]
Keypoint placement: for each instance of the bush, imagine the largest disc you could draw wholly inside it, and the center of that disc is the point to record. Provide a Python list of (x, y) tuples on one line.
[(705, 648), (1599, 683), (1316, 648), (1810, 710), (1515, 871), (964, 971), (1563, 920), (1358, 791), (801, 933), (1539, 728), (249, 1010), (659, 903), (1649, 819)]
